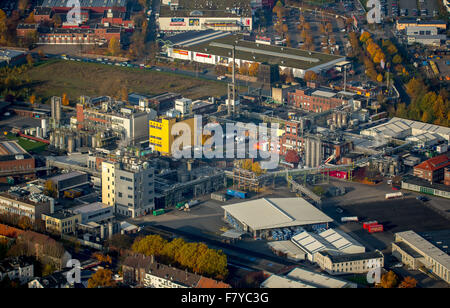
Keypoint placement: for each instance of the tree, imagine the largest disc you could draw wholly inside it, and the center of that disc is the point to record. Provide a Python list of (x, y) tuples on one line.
[(65, 100), (397, 59), (364, 36), (149, 245), (3, 27), (388, 280), (247, 164), (30, 18), (25, 223), (292, 157), (57, 20), (32, 99), (124, 94), (22, 5), (380, 78), (114, 46), (408, 283), (256, 168), (30, 60), (310, 76), (101, 279)]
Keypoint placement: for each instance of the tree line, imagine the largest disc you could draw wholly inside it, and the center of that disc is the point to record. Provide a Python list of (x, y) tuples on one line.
[(196, 257)]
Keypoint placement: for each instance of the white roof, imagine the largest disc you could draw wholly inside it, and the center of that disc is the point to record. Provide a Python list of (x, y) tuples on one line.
[(288, 248), (424, 247), (86, 208), (270, 213), (342, 241), (324, 93), (311, 242), (397, 126), (317, 279), (275, 281)]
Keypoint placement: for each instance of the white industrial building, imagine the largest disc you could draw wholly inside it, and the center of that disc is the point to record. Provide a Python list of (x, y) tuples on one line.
[(399, 128), (94, 212), (331, 240), (301, 278), (196, 15), (261, 216), (216, 49)]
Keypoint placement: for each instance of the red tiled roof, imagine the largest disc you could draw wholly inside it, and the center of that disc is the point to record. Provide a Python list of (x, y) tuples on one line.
[(435, 163), (208, 283)]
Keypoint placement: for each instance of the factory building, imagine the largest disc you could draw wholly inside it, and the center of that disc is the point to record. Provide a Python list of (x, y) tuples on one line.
[(262, 216), (9, 57), (302, 278), (197, 15), (129, 187), (67, 181), (95, 6), (24, 204), (418, 253), (94, 212), (14, 159), (217, 49)]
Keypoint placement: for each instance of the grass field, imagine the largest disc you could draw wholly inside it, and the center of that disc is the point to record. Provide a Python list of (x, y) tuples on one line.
[(78, 78), (27, 144)]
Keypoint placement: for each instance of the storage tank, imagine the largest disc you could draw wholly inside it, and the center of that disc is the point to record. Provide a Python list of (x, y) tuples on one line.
[(44, 125)]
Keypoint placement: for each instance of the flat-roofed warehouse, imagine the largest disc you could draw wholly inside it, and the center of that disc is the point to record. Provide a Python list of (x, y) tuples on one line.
[(194, 15), (261, 216), (96, 6), (218, 51)]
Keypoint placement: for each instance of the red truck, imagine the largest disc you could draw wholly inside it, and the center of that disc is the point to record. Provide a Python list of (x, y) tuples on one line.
[(367, 224), (375, 228)]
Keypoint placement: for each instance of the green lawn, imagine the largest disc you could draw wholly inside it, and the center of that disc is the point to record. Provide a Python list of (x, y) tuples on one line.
[(28, 145)]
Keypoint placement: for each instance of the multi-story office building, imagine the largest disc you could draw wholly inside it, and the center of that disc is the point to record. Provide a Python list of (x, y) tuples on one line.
[(61, 223), (128, 187), (357, 263), (31, 206)]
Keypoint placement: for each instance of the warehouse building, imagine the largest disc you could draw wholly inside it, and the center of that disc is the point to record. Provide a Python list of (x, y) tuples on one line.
[(94, 212), (9, 57), (95, 6), (418, 253), (262, 216), (302, 278), (218, 51), (195, 15), (331, 240), (399, 128)]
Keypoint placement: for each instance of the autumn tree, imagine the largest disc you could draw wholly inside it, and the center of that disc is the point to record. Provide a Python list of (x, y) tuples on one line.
[(101, 279), (247, 164), (256, 168), (397, 59), (32, 99), (292, 157), (3, 27), (30, 18), (408, 283), (124, 94), (388, 280), (114, 46), (310, 76), (30, 60), (149, 245), (65, 100)]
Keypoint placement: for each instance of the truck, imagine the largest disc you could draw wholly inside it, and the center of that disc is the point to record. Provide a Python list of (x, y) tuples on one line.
[(218, 197), (375, 228), (349, 219), (180, 206), (394, 195), (236, 193), (72, 193), (367, 224), (158, 212), (191, 203)]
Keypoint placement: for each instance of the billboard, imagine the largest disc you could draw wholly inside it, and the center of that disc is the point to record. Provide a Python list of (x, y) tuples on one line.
[(202, 55), (194, 22), (181, 52)]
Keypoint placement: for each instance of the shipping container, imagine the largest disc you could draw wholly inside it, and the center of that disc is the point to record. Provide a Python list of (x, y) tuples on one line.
[(375, 228), (158, 212), (367, 224), (237, 193), (348, 219)]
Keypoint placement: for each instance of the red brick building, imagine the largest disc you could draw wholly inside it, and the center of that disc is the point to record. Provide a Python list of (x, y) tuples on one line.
[(433, 170), (43, 14), (13, 158), (117, 18), (447, 176), (316, 100), (24, 30), (79, 35), (292, 138)]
